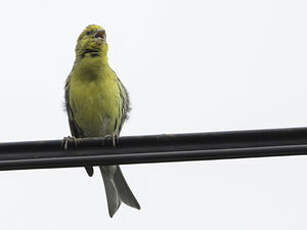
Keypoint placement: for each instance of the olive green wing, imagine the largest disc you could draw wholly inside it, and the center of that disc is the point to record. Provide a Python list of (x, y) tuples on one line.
[(124, 105), (75, 130)]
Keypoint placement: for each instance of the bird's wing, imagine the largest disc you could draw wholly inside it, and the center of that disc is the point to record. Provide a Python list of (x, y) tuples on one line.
[(124, 105), (75, 130)]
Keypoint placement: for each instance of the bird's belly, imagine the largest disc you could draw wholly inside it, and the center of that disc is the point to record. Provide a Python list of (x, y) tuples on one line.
[(93, 124), (94, 111)]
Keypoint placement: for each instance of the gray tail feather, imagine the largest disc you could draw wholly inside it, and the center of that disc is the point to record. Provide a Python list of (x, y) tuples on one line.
[(89, 170), (117, 189)]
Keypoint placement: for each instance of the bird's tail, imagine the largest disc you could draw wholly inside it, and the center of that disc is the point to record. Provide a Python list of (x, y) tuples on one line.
[(117, 189), (89, 170)]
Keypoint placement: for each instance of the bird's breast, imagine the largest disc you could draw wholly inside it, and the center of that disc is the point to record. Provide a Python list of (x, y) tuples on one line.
[(94, 105)]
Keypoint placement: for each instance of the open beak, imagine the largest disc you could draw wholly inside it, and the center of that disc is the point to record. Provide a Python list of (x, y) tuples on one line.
[(100, 34)]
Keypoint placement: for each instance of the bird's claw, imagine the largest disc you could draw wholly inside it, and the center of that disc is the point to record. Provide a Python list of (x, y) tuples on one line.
[(115, 139), (69, 141)]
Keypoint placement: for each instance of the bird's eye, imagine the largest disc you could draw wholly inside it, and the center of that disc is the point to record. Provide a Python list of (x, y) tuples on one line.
[(88, 32)]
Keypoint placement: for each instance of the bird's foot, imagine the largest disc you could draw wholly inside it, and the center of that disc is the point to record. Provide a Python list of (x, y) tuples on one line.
[(115, 139), (69, 141)]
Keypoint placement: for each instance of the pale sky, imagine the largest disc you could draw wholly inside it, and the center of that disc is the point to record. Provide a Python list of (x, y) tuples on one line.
[(190, 66)]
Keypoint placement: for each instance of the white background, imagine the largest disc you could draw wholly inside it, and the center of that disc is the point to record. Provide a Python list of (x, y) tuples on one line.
[(190, 66)]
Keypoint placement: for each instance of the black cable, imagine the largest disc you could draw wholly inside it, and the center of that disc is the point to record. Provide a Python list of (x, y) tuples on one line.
[(154, 148)]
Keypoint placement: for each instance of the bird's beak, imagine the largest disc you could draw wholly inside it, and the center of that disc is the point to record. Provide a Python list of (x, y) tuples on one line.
[(100, 34)]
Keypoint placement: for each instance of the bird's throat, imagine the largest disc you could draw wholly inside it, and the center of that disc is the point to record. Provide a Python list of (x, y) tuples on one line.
[(90, 68)]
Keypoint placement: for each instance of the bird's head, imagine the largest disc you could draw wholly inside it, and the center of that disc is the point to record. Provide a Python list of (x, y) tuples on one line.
[(92, 42)]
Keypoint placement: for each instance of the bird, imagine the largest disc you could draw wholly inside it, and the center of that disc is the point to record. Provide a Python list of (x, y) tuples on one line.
[(97, 104)]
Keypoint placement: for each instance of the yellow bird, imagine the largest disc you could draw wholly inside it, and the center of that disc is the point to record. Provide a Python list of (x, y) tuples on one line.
[(97, 105)]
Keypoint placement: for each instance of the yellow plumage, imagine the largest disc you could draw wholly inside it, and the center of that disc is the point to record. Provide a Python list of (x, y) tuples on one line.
[(96, 100), (97, 104)]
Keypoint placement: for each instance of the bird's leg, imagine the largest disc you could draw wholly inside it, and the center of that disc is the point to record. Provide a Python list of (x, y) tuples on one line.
[(115, 140), (68, 141)]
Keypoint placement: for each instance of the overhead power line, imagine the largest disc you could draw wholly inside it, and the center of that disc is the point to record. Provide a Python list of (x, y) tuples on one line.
[(154, 149)]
